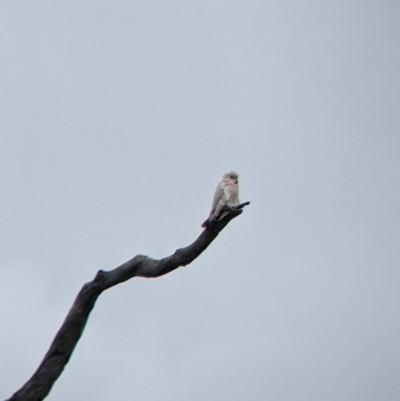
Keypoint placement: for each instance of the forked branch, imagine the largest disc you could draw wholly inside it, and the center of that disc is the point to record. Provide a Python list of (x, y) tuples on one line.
[(39, 385)]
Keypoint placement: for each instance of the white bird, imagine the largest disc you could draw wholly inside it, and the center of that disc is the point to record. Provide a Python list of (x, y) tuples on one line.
[(226, 194)]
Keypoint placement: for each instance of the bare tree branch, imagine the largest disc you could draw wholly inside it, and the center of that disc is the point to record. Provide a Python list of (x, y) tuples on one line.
[(39, 385)]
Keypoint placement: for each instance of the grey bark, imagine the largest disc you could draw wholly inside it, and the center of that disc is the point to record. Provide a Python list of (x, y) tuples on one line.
[(39, 385)]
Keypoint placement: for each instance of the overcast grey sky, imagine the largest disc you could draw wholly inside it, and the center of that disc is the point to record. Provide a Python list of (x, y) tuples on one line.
[(118, 119)]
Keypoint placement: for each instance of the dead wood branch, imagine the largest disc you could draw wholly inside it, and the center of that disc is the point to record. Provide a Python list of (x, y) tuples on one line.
[(39, 385)]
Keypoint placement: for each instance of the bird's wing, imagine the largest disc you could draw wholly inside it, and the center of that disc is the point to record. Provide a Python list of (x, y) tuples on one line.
[(219, 193)]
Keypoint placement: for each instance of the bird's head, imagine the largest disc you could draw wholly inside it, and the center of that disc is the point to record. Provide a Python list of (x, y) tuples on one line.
[(231, 176)]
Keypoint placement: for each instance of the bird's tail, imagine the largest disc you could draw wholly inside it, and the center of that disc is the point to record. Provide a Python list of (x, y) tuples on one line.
[(205, 224)]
